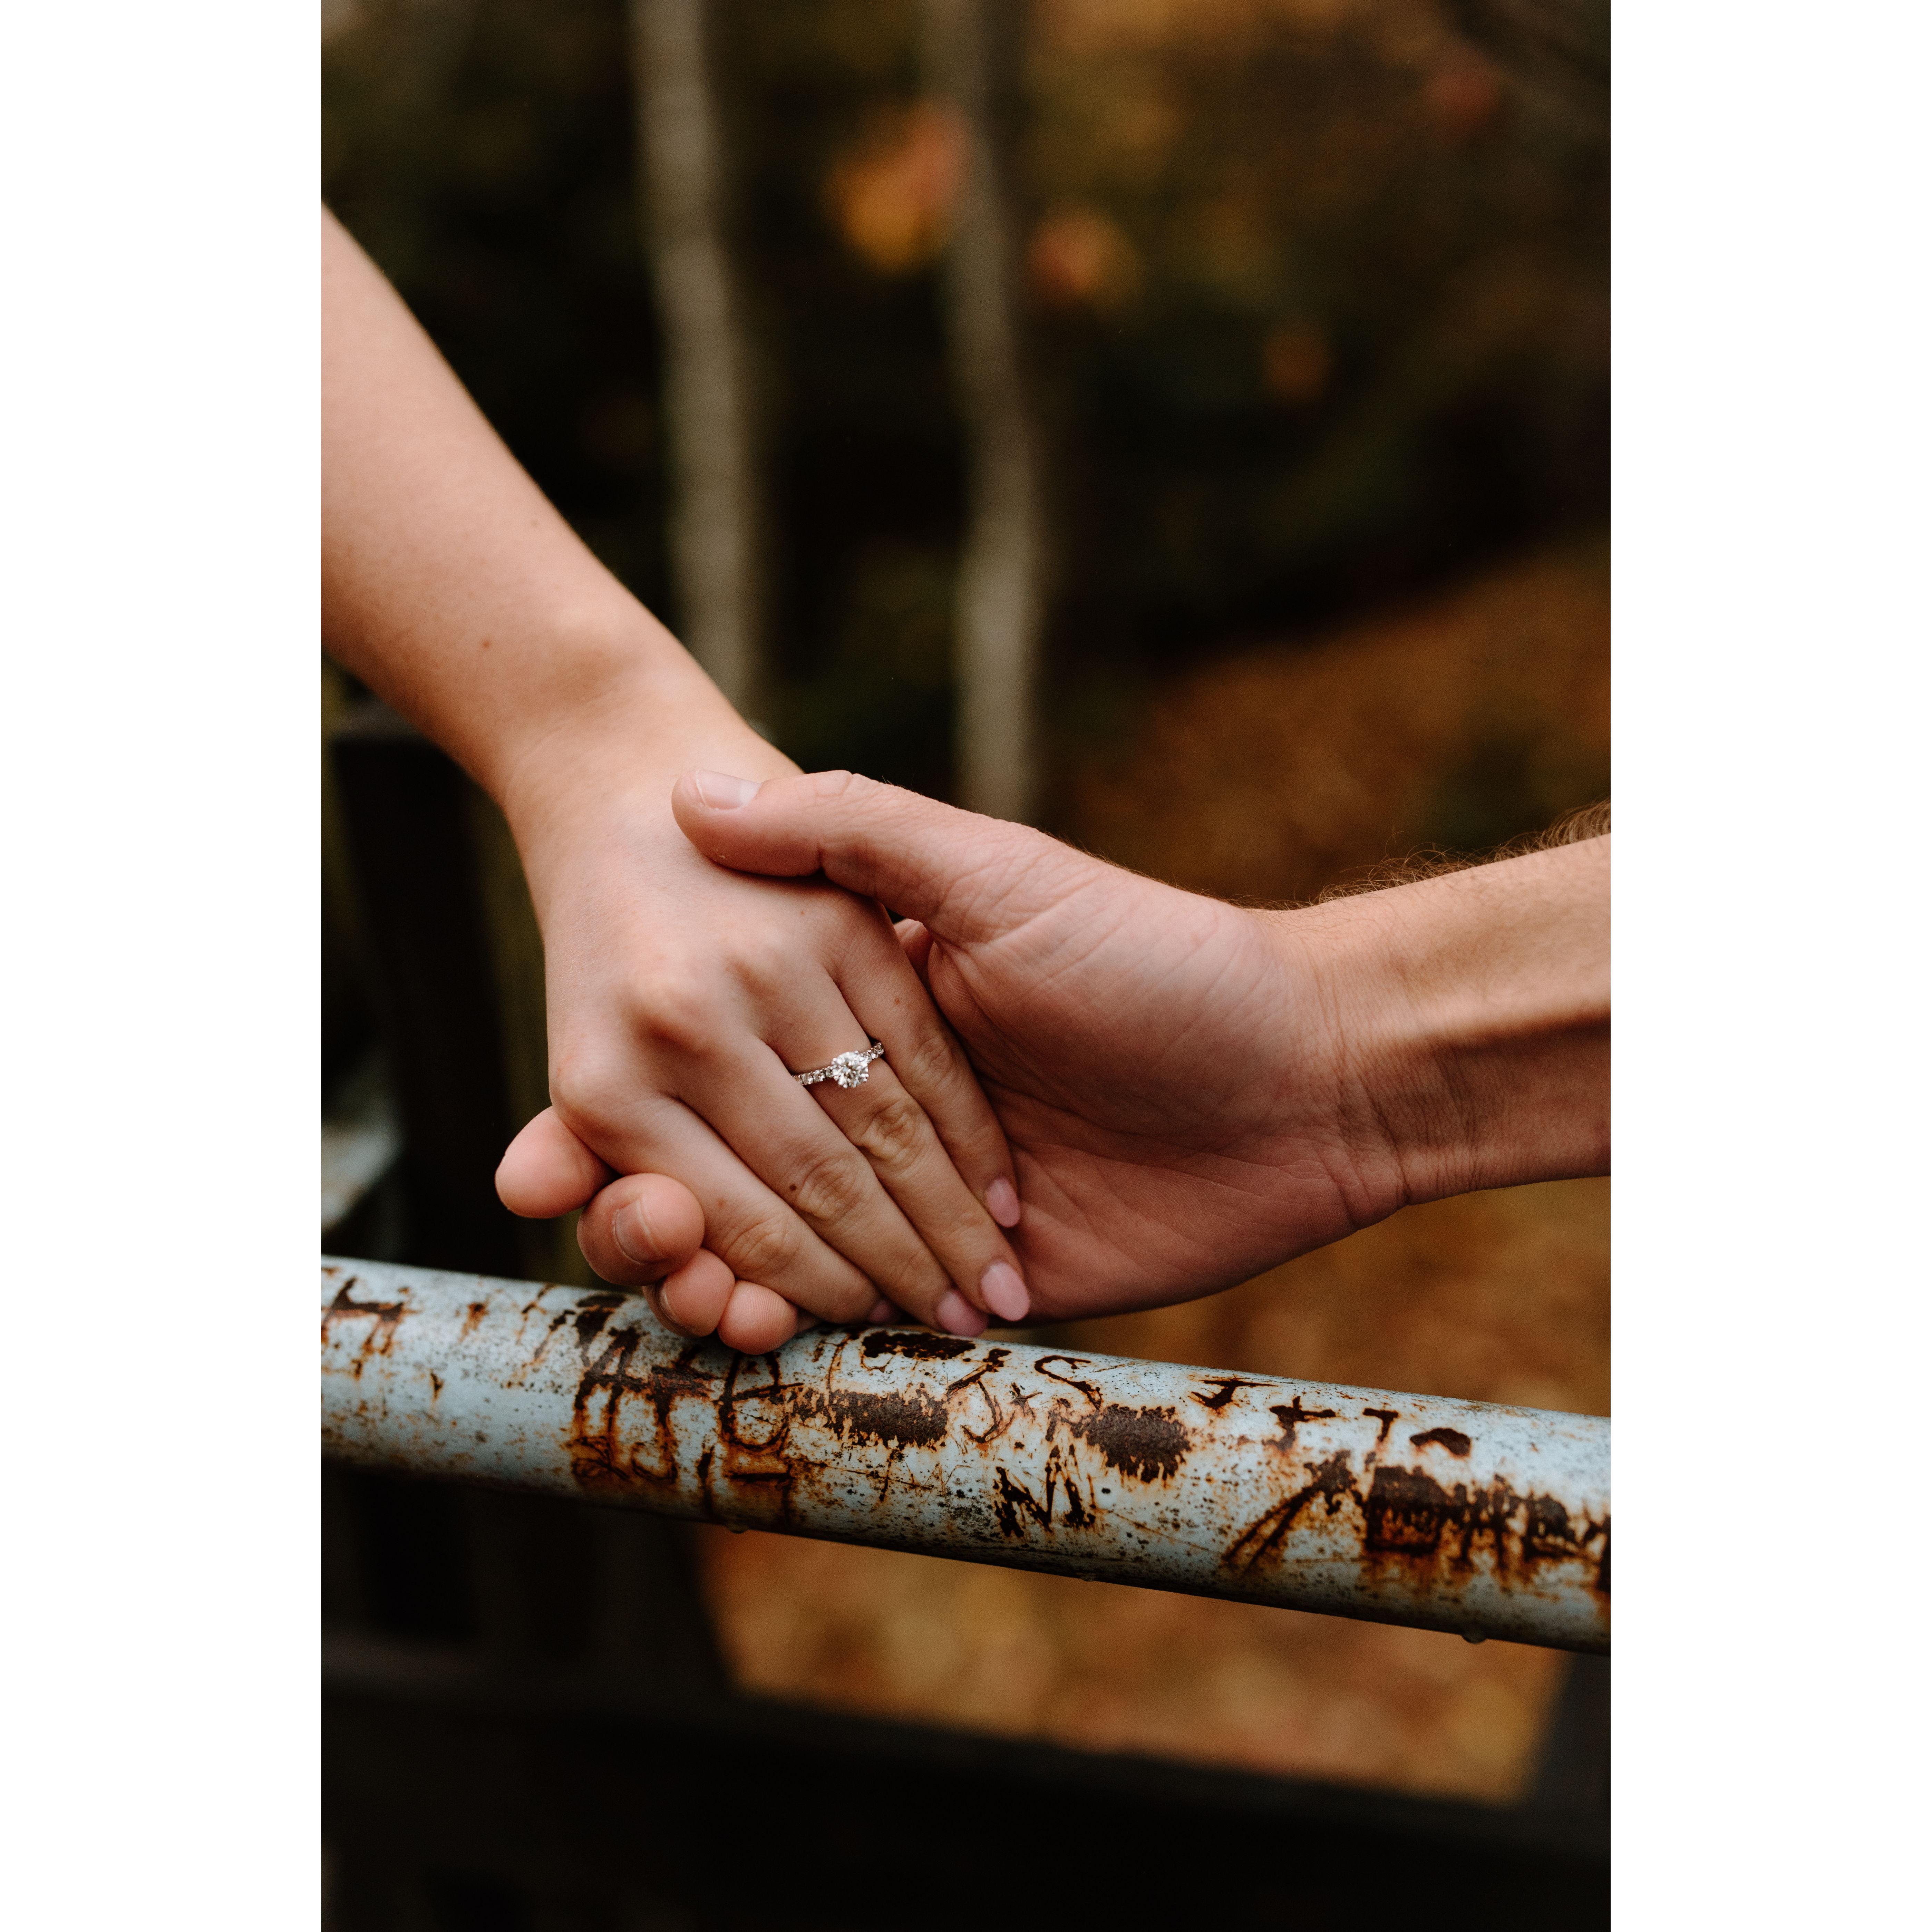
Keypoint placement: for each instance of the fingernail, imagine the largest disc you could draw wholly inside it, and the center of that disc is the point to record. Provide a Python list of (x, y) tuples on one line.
[(882, 1310), (1003, 1291), (627, 1219), (957, 1316), (1002, 1203), (722, 792), (654, 1300)]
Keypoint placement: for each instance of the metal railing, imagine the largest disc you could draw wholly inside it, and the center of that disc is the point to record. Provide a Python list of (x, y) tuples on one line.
[(1490, 1521)]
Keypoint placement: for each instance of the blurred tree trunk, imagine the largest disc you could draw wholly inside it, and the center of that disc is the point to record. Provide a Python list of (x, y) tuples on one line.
[(714, 537), (973, 51)]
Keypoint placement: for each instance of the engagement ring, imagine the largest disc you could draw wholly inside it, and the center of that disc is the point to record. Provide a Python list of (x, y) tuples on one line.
[(849, 1069)]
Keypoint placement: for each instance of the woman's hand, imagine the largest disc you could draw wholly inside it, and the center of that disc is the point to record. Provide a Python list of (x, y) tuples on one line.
[(646, 1231), (681, 997), (678, 994)]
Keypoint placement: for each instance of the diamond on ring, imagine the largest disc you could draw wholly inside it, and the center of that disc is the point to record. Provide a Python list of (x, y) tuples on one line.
[(849, 1069)]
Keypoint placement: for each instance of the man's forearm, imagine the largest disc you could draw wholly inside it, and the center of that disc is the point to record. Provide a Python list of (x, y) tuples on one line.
[(451, 586), (1473, 1011)]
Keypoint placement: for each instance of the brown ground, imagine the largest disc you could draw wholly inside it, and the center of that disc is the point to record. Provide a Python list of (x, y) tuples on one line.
[(1267, 777), (1463, 721)]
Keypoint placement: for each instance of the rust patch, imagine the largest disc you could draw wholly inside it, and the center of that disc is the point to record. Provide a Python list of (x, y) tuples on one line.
[(388, 1318), (1146, 1443), (1388, 1418), (592, 1315), (1408, 1511), (1409, 1518), (1548, 1532), (996, 1358), (1223, 1389), (997, 1416), (1078, 1515), (740, 1394), (1012, 1500), (917, 1347), (597, 1458), (881, 1417), (588, 1317), (1072, 1382), (473, 1317), (1291, 1414), (1332, 1484), (1410, 1515)]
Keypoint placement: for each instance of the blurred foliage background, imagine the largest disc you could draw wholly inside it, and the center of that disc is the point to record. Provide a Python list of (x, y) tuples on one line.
[(1318, 295), (1316, 292)]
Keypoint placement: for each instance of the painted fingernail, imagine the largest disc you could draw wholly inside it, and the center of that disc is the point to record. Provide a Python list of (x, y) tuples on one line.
[(883, 1310), (1002, 1203), (1003, 1291), (722, 792), (957, 1316)]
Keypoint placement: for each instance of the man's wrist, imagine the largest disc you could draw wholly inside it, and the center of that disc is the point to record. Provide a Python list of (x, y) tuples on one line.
[(1471, 1017)]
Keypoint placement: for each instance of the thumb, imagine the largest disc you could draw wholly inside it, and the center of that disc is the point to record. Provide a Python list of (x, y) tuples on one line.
[(916, 943), (966, 877), (547, 1170)]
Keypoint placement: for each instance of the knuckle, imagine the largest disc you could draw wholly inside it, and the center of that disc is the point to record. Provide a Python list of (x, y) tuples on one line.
[(915, 1280), (928, 1063), (677, 1017), (764, 1250), (767, 972), (850, 1302), (896, 1133), (585, 1088), (829, 1187)]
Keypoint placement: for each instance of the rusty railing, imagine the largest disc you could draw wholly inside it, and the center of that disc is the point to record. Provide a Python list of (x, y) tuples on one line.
[(1405, 1509)]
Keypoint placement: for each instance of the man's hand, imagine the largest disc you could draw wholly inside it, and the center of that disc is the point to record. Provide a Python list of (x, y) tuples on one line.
[(1193, 1091)]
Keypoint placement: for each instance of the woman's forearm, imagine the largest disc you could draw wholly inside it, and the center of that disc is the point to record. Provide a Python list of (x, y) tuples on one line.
[(450, 585), (677, 995)]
